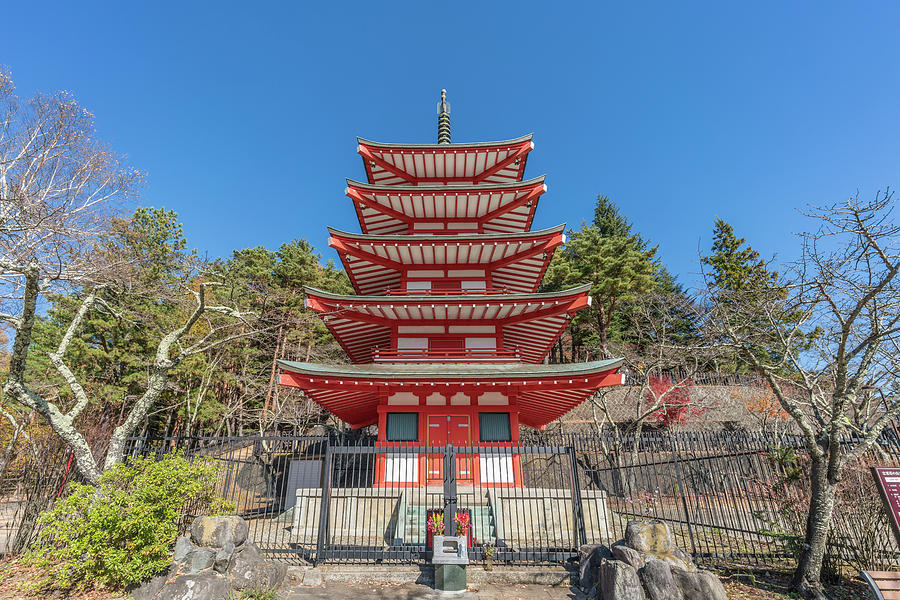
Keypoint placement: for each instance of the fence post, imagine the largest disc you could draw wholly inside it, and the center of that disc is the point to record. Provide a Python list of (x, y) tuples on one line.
[(687, 515), (324, 509), (577, 507), (449, 490)]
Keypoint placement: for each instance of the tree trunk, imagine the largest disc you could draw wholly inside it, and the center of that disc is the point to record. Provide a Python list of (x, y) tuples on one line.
[(602, 330), (807, 577), (10, 447), (117, 442)]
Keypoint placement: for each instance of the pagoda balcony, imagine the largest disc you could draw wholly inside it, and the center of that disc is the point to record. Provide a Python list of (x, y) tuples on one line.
[(460, 355), (453, 292)]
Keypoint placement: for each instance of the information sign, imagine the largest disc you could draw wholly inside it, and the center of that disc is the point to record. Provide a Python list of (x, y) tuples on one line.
[(888, 480)]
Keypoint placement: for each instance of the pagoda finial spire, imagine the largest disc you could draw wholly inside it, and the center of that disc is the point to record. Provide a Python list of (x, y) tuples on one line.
[(443, 109)]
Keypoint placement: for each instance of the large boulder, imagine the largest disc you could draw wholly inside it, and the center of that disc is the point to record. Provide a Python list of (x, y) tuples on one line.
[(675, 562), (215, 532), (199, 560), (628, 555), (653, 537), (656, 575), (589, 559), (699, 585), (150, 589), (199, 586), (619, 581), (250, 569), (681, 559)]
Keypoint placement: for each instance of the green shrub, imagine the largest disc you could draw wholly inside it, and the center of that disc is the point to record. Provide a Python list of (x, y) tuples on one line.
[(120, 533)]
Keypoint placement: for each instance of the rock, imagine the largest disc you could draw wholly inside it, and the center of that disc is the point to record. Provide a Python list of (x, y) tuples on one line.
[(313, 578), (193, 558), (250, 569), (183, 547), (700, 585), (649, 537), (628, 555), (712, 587), (675, 562), (150, 589), (619, 581), (223, 557), (199, 586), (199, 559), (684, 560), (215, 532), (589, 560), (656, 575)]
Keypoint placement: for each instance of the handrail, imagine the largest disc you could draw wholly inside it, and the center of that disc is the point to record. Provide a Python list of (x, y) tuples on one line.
[(462, 354), (459, 292)]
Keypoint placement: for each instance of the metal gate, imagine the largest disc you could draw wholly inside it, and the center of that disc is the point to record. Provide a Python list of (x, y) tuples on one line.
[(524, 503)]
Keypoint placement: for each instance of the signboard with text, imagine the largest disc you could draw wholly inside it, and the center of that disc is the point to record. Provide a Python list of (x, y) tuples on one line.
[(888, 479)]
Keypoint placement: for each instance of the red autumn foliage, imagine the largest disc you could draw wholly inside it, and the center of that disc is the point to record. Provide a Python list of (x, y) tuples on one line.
[(676, 407)]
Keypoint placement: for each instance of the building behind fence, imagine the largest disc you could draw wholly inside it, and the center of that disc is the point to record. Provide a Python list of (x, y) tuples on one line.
[(728, 496)]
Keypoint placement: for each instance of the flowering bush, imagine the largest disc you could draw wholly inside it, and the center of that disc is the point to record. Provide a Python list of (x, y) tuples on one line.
[(462, 523), (436, 523)]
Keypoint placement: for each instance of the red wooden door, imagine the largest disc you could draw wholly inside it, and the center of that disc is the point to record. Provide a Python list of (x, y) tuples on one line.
[(461, 435), (449, 429), (438, 434)]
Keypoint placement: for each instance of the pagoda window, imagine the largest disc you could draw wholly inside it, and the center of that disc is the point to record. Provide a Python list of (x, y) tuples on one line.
[(402, 427), (409, 343), (418, 285), (479, 343), (474, 285), (494, 427)]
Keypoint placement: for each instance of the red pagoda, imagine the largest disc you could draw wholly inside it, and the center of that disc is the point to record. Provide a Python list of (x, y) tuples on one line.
[(448, 333)]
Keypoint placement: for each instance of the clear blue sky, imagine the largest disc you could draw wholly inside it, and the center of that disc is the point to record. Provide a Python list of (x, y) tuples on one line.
[(244, 114)]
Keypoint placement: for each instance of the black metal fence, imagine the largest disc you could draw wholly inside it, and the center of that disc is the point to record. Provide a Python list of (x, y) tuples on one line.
[(29, 484), (730, 496)]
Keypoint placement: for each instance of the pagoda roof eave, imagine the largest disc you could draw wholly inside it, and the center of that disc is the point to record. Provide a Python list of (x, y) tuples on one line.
[(456, 237), (529, 323), (456, 146), (416, 164), (507, 207), (353, 393), (451, 371), (506, 298), (450, 188), (513, 262)]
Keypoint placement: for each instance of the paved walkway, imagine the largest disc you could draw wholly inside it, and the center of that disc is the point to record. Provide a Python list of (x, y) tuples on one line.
[(414, 591)]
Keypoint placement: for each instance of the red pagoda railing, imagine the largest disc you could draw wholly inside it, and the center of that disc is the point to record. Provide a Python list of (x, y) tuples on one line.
[(462, 355), (459, 292)]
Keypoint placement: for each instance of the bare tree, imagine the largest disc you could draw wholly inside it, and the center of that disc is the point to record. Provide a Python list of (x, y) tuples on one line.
[(58, 188), (827, 340), (661, 363)]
